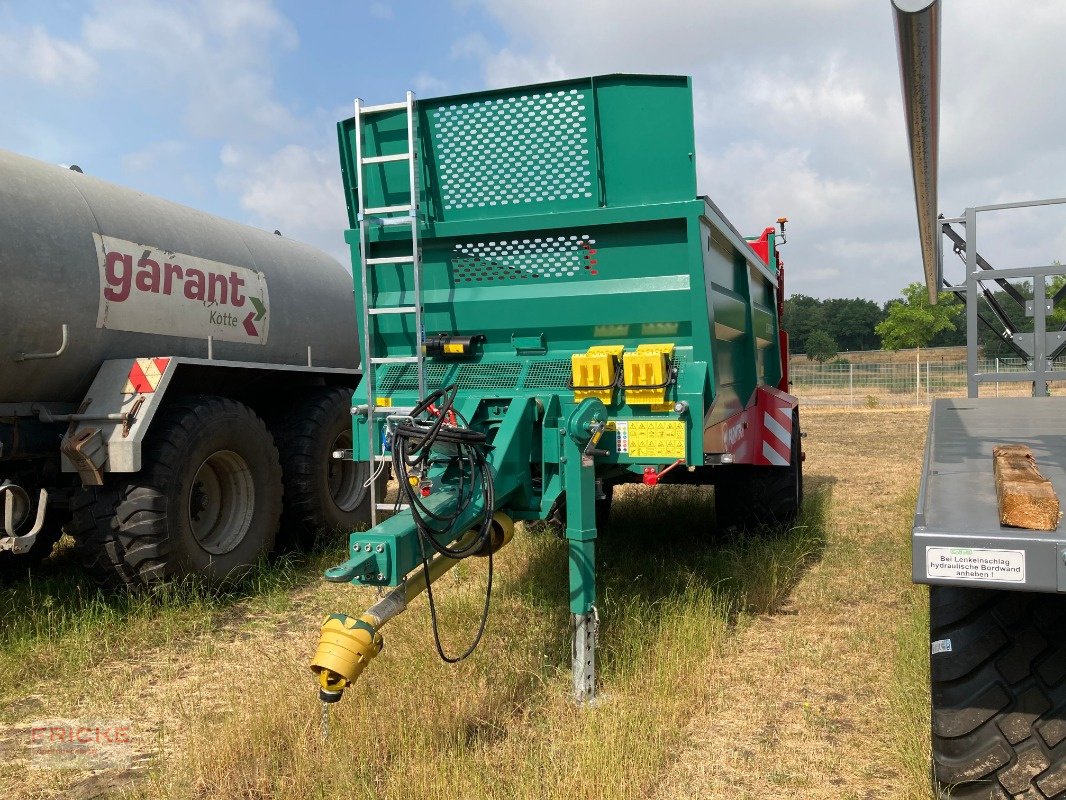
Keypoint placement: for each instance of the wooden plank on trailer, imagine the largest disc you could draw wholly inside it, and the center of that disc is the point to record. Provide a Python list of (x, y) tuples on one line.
[(1026, 498)]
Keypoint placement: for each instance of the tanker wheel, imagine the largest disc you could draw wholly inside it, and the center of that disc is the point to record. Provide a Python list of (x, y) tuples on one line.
[(322, 494), (750, 497), (205, 504), (998, 693)]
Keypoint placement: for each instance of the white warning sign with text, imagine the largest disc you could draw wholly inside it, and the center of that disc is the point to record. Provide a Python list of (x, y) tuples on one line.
[(975, 564), (149, 290)]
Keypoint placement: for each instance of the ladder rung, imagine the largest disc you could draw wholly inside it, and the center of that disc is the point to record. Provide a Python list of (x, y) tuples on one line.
[(395, 360), (395, 410), (387, 209), (389, 220), (393, 310), (392, 507), (392, 260), (382, 108), (383, 458), (384, 159)]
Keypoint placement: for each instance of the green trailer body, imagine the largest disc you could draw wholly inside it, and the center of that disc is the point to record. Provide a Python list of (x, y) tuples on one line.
[(599, 321)]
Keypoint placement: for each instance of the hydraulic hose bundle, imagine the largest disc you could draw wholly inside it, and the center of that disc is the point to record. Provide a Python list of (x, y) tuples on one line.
[(432, 435)]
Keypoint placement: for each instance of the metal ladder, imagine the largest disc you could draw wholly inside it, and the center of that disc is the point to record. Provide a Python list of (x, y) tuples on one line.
[(406, 214)]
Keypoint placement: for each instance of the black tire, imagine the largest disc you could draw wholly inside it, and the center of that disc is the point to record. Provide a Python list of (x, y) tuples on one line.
[(205, 504), (95, 543), (998, 696), (322, 494), (750, 497)]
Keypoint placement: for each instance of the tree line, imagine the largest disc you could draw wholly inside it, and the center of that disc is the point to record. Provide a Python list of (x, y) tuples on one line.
[(823, 328)]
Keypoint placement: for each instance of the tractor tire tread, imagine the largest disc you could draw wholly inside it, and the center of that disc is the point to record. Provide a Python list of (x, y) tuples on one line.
[(998, 695)]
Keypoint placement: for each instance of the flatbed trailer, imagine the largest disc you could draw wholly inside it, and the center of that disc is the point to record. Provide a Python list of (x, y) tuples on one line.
[(957, 537), (997, 612)]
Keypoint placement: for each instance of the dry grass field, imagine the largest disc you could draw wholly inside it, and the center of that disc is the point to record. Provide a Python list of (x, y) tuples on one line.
[(789, 664)]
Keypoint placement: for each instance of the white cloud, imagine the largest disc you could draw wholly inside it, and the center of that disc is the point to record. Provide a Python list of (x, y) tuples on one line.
[(295, 189), (798, 111), (34, 55), (153, 155), (427, 84), (208, 56)]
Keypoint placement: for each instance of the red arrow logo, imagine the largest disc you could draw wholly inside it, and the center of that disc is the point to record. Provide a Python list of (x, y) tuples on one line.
[(248, 326)]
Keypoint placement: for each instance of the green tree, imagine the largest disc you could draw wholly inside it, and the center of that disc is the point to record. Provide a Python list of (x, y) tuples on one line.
[(912, 322), (821, 347), (803, 316), (851, 322)]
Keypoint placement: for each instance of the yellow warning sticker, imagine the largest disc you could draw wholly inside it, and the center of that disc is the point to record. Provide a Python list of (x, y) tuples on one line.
[(453, 348), (656, 438), (383, 402)]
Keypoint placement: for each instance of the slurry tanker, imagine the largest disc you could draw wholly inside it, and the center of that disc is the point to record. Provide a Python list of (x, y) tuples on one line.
[(172, 385)]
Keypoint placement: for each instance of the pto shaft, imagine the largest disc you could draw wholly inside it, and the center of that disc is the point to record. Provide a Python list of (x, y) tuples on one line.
[(347, 645)]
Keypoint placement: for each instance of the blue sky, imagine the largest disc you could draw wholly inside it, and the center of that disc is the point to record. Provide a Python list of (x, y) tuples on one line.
[(230, 106)]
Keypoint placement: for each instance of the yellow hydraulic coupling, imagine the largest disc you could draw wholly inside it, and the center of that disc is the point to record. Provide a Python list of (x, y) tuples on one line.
[(344, 649)]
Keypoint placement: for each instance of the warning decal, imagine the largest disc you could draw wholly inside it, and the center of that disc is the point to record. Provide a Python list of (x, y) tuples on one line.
[(145, 375), (656, 438), (975, 564)]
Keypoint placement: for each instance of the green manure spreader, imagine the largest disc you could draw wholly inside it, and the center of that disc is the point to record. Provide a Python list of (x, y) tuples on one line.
[(547, 309)]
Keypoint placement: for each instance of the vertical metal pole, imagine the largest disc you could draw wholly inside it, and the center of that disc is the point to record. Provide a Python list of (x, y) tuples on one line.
[(851, 386), (928, 395), (917, 376), (416, 262), (579, 480), (997, 372), (1039, 338), (971, 302), (368, 366)]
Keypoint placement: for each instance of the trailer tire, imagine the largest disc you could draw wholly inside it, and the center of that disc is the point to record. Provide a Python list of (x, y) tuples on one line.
[(205, 504), (95, 544), (322, 494), (752, 497), (998, 693)]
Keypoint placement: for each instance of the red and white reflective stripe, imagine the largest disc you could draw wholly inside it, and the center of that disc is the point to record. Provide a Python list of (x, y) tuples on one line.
[(145, 375), (775, 447), (777, 441)]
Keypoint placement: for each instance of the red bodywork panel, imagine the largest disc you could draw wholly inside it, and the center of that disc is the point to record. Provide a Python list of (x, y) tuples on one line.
[(761, 434), (761, 246)]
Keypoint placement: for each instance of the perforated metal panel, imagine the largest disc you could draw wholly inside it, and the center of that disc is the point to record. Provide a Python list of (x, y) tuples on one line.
[(513, 151), (523, 259), (404, 377), (489, 376), (554, 374)]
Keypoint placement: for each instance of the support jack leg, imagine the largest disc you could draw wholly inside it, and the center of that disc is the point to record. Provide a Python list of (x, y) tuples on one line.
[(586, 630)]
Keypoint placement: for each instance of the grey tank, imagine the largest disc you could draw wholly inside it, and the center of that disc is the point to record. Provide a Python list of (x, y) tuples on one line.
[(50, 274)]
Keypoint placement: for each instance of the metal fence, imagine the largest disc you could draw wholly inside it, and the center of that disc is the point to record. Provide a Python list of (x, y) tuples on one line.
[(881, 385)]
